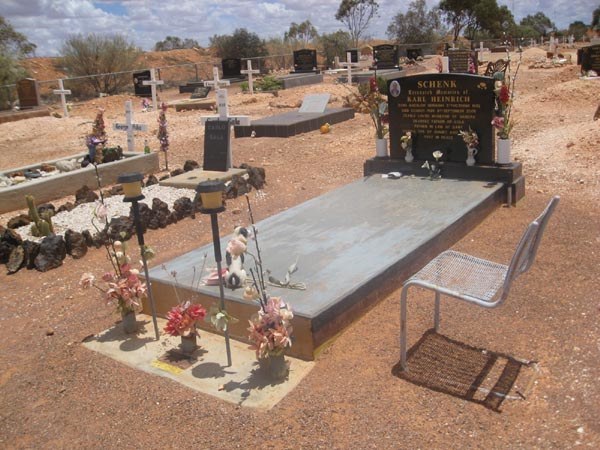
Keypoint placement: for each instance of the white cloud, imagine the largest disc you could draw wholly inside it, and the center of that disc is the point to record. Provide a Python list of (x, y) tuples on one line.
[(48, 23)]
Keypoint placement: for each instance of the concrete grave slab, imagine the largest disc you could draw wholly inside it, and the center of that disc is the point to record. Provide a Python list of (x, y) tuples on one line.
[(205, 371), (292, 123), (300, 79), (352, 244), (193, 104), (189, 180)]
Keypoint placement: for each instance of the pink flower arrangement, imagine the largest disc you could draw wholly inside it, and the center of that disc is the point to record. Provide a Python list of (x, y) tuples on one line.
[(271, 329), (123, 287), (181, 319)]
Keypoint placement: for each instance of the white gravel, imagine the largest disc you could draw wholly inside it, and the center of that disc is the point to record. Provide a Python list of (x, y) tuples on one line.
[(80, 217)]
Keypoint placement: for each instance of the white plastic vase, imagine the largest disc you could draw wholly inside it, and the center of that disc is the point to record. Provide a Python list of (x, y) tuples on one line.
[(471, 152), (381, 147), (503, 151)]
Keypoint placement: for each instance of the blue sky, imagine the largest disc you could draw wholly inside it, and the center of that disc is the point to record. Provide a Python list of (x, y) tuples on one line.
[(48, 23)]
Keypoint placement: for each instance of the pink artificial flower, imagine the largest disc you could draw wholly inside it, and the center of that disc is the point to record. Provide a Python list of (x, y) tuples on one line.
[(100, 211), (87, 280), (498, 122), (236, 247)]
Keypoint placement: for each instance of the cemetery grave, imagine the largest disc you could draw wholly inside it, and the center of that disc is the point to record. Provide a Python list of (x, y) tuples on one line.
[(65, 388)]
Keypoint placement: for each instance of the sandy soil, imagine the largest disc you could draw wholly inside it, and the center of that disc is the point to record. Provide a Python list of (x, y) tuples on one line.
[(56, 394)]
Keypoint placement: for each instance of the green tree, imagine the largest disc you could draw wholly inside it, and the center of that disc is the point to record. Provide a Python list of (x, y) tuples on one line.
[(300, 34), (417, 25), (458, 14), (596, 19), (489, 18), (356, 15), (95, 54), (539, 22), (240, 44), (173, 43), (335, 44), (280, 54), (13, 46), (577, 29)]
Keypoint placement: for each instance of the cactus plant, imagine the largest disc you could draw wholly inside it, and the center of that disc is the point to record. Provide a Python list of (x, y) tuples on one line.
[(41, 225)]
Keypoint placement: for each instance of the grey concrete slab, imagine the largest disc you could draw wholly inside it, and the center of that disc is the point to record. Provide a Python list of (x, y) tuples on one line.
[(206, 370), (189, 180), (350, 240)]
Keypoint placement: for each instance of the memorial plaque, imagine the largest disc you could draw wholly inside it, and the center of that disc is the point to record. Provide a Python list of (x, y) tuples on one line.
[(353, 55), (314, 103), (589, 58), (28, 92), (435, 107), (386, 56), (201, 92), (138, 83), (231, 67), (216, 145), (458, 60), (305, 60)]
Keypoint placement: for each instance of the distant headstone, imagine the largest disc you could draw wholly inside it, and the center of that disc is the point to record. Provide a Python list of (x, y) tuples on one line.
[(138, 83), (435, 107), (314, 103), (353, 55), (385, 56), (305, 60), (200, 92), (29, 94), (458, 60), (589, 58), (216, 145), (231, 67), (414, 53)]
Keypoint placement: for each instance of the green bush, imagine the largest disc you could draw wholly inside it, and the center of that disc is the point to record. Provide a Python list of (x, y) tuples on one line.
[(268, 83)]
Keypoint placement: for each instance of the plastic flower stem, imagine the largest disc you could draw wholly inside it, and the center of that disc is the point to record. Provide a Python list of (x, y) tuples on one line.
[(260, 267), (140, 235)]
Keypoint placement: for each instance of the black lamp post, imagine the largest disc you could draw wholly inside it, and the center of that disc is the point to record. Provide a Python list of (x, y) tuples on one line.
[(132, 190), (211, 194)]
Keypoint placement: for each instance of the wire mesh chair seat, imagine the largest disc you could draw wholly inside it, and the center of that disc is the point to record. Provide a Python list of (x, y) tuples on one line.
[(461, 275), (471, 279)]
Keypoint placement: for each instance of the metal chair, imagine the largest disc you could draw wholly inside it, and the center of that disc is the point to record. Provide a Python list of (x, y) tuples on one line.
[(475, 280)]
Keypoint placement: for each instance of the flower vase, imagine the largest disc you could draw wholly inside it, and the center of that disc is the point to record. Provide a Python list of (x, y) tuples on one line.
[(409, 156), (275, 367), (471, 152), (503, 151), (381, 147), (188, 344), (129, 322)]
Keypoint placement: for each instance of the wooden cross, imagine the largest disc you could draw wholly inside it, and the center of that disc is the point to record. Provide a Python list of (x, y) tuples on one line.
[(153, 82), (349, 65), (62, 92), (249, 72), (129, 126)]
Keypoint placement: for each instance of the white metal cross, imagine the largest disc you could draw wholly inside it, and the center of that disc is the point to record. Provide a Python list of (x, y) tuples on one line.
[(349, 65), (153, 82), (129, 126), (62, 92), (250, 72), (216, 82)]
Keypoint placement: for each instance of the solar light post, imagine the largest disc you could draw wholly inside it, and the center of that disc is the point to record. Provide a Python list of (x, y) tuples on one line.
[(132, 190), (211, 194)]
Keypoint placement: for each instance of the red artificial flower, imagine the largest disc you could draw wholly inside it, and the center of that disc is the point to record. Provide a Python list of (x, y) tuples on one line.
[(504, 94), (372, 84)]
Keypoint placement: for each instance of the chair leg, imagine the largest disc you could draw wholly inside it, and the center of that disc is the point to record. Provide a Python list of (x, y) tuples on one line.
[(436, 320), (403, 328)]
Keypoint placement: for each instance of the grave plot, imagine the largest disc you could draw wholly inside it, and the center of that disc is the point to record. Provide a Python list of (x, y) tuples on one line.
[(312, 114), (349, 243)]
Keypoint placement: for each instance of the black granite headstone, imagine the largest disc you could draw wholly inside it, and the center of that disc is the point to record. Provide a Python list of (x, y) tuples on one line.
[(28, 92), (353, 55), (435, 107), (589, 59), (305, 60), (216, 145), (414, 53), (231, 67), (385, 56), (458, 60), (138, 83)]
